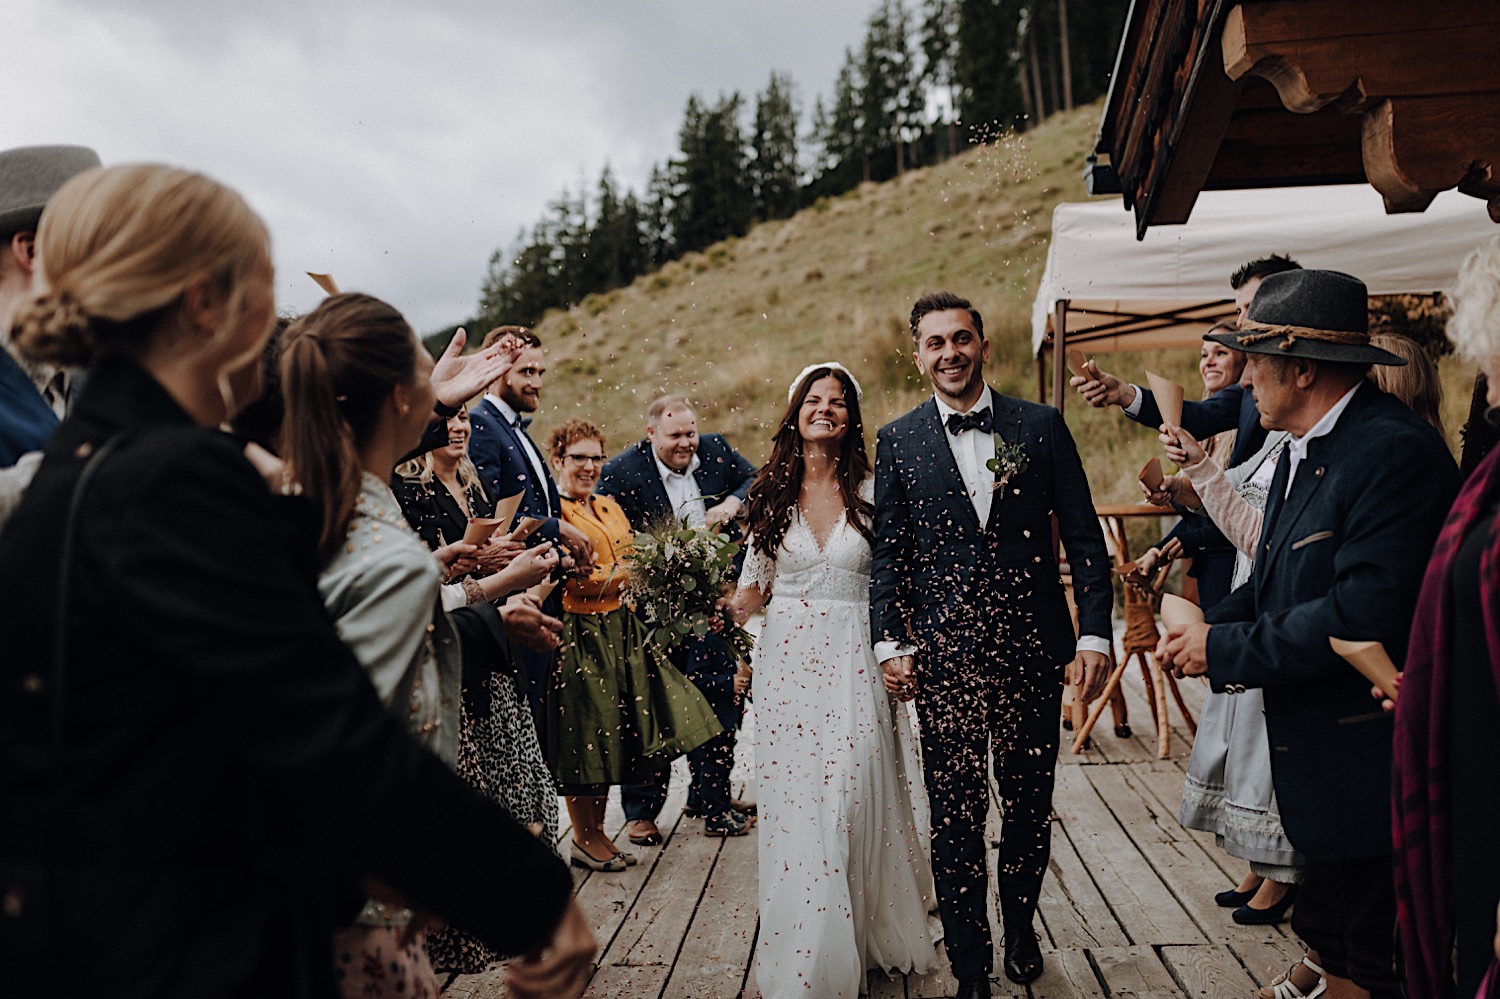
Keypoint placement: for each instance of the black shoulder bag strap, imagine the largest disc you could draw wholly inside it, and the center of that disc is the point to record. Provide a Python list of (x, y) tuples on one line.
[(60, 611)]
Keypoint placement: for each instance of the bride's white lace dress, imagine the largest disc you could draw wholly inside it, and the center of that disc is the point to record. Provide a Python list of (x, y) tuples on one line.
[(845, 881)]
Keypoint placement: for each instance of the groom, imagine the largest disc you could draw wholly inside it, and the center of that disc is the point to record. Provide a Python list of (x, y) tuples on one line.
[(968, 616)]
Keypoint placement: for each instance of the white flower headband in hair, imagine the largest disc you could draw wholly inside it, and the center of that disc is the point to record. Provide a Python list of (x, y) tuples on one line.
[(791, 393)]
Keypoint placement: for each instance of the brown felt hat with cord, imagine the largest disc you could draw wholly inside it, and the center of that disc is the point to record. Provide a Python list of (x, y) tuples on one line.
[(1321, 315)]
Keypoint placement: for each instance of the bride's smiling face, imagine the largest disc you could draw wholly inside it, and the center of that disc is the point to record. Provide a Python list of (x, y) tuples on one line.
[(824, 416)]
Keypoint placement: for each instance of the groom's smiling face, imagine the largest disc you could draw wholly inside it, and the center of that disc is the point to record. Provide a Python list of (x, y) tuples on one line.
[(952, 354)]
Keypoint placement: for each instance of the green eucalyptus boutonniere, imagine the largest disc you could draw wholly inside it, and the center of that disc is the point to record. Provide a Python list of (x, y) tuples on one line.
[(1010, 460)]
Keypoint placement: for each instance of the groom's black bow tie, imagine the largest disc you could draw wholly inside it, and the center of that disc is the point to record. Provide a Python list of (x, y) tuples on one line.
[(522, 422), (959, 422)]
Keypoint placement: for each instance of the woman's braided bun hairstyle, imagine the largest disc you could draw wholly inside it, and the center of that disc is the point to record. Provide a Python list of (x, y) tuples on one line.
[(116, 248)]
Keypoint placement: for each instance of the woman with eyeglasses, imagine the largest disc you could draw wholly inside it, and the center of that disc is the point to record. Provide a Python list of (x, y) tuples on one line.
[(616, 710)]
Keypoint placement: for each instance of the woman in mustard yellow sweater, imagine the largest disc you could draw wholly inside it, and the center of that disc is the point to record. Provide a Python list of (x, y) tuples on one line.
[(617, 711)]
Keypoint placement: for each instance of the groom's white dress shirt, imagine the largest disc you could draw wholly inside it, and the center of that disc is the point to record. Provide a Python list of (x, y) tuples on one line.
[(972, 452), (534, 457)]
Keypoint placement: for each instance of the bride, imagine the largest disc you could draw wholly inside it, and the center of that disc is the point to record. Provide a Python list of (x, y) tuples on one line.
[(845, 883)]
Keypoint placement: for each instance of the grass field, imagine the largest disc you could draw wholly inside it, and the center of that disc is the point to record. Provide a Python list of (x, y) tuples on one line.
[(730, 327)]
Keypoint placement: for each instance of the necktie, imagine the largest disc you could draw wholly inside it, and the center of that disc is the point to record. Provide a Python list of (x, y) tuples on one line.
[(522, 422), (959, 422)]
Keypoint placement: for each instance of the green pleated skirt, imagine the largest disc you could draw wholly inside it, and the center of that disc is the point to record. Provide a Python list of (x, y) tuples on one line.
[(617, 710)]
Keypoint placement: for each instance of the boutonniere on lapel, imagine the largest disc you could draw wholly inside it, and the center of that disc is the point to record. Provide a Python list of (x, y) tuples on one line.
[(1010, 460)]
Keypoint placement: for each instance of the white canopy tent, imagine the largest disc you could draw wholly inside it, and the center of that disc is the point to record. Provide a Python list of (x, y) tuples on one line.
[(1104, 291)]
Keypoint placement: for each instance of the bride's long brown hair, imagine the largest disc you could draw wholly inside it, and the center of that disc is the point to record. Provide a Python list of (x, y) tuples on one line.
[(774, 493)]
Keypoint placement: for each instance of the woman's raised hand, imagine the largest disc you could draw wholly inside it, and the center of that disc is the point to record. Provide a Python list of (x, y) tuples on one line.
[(457, 378)]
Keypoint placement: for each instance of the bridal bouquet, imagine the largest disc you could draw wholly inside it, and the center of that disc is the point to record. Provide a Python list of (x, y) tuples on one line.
[(676, 575)]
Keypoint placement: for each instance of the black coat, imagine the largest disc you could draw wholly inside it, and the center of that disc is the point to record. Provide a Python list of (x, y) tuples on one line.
[(1342, 556), (633, 479), (226, 765), (930, 548)]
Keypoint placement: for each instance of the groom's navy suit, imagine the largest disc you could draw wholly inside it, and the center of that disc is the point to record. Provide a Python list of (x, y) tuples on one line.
[(983, 605), (633, 480), (495, 447)]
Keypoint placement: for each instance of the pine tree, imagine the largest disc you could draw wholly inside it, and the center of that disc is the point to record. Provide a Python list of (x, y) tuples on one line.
[(773, 167), (939, 44), (987, 68), (712, 198)]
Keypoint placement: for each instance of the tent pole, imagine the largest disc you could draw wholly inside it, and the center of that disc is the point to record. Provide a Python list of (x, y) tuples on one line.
[(1059, 351), (1041, 377)]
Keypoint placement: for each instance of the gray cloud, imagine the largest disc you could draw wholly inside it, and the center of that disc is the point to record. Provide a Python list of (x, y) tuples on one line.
[(397, 145)]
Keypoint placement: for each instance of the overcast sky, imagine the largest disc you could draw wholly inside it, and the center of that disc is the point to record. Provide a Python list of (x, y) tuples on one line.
[(397, 144)]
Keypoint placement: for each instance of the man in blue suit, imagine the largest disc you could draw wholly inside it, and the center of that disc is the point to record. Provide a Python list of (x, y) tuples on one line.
[(1353, 511), (33, 397), (969, 618), (675, 472), (510, 462)]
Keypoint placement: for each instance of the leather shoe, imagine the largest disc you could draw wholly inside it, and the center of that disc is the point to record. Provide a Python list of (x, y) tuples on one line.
[(643, 832), (743, 807), (1249, 915), (974, 988), (731, 823), (1023, 956)]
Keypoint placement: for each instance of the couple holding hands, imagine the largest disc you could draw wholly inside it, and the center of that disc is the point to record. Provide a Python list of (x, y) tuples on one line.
[(934, 571)]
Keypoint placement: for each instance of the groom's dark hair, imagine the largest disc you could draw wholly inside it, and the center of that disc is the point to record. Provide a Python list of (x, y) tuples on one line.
[(942, 301)]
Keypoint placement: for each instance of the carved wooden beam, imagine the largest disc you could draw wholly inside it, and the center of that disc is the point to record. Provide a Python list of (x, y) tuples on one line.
[(1316, 52), (1414, 147)]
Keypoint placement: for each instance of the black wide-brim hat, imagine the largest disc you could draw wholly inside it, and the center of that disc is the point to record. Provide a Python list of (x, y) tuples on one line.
[(1321, 315)]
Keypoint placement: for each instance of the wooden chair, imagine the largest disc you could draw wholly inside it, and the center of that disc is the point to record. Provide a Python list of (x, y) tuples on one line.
[(1140, 639)]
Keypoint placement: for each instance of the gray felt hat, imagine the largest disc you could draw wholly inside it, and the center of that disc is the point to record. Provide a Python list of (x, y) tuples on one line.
[(31, 175), (1322, 315)]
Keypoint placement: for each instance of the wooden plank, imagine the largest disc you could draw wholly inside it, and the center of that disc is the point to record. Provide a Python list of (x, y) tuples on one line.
[(1135, 973), (1074, 913), (1207, 971), (1163, 780), (879, 985), (619, 982), (1067, 974), (1174, 856), (720, 940), (653, 930), (608, 899), (1145, 908), (934, 984), (1265, 961)]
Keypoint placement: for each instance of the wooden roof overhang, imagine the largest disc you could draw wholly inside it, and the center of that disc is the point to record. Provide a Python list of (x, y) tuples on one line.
[(1211, 94)]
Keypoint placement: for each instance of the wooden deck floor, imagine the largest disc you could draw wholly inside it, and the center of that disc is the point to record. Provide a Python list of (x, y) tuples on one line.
[(1127, 908)]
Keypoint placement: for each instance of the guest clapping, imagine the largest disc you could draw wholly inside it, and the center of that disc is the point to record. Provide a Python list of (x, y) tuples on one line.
[(617, 711), (217, 759)]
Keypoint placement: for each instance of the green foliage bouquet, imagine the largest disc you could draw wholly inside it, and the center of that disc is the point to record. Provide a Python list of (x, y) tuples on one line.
[(677, 573)]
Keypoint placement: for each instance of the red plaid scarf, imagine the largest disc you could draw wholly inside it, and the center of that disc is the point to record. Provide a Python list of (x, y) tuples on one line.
[(1424, 880)]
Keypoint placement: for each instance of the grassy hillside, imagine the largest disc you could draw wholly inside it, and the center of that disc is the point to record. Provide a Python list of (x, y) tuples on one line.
[(732, 326)]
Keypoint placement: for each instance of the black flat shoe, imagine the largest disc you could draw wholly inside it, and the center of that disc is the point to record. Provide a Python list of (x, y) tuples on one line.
[(1023, 957), (1234, 898), (1248, 915), (1122, 731)]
